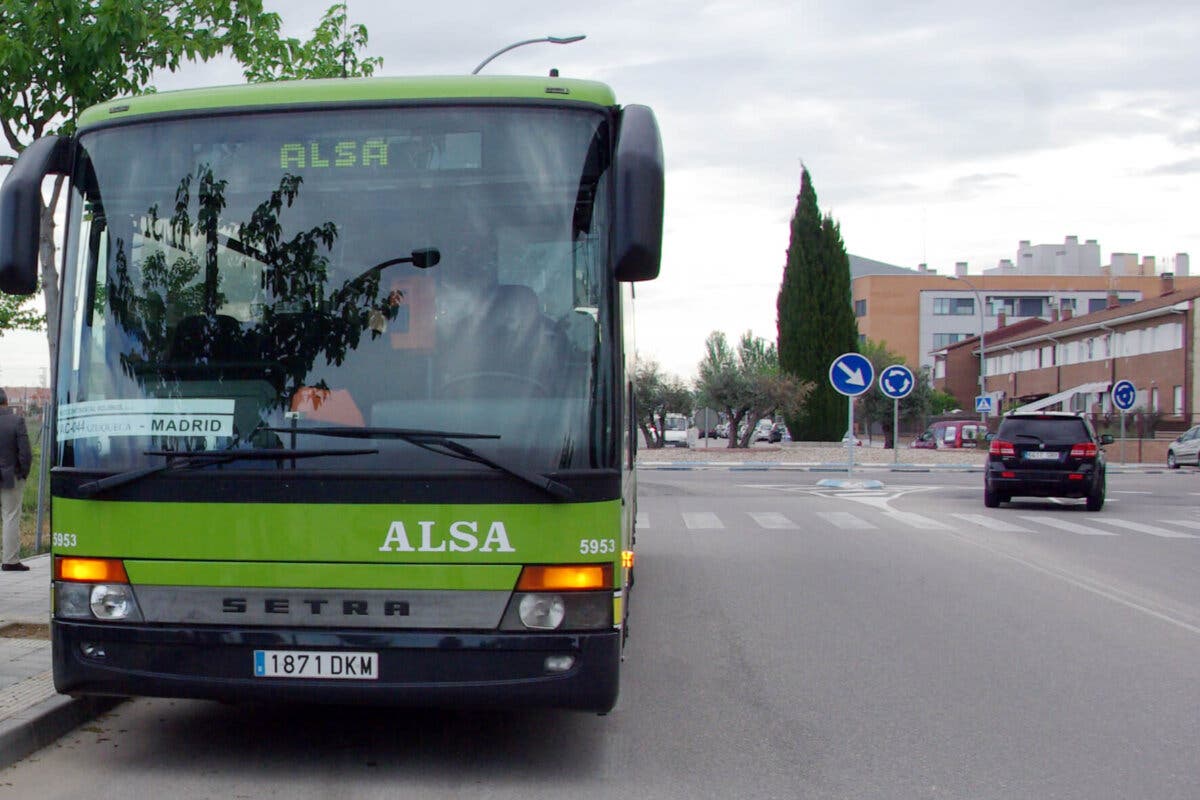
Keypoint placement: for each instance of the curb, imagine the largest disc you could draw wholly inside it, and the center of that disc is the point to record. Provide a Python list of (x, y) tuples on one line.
[(44, 723)]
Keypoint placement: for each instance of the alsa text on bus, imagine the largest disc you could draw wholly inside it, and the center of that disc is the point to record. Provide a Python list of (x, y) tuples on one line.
[(462, 536)]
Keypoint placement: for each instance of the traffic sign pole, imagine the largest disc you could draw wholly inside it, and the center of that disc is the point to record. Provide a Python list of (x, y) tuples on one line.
[(896, 382), (850, 442), (851, 374), (895, 431), (1124, 395), (1122, 438)]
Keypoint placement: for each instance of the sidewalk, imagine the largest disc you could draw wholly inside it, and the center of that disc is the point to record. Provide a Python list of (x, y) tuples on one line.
[(32, 714)]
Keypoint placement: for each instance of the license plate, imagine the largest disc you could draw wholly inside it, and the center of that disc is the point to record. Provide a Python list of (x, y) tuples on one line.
[(316, 664), (1041, 455)]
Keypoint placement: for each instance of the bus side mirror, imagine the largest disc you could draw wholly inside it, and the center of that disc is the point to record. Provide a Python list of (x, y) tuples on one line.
[(21, 211), (639, 190)]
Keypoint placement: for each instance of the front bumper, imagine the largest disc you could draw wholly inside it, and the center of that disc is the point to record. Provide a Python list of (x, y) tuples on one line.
[(417, 669)]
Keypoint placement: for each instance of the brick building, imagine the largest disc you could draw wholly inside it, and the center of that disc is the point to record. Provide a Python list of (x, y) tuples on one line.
[(1070, 362)]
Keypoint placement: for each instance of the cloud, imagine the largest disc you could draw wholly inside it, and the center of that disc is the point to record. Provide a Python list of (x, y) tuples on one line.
[(1190, 166)]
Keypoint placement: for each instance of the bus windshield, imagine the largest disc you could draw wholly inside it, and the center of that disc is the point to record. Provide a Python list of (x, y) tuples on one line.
[(235, 280)]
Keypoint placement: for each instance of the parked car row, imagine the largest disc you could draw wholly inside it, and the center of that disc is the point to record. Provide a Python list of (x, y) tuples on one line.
[(764, 431)]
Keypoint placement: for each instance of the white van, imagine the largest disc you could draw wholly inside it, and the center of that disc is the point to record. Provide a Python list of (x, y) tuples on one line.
[(675, 430)]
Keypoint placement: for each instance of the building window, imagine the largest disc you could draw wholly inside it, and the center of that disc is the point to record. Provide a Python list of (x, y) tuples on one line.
[(860, 308), (1177, 400), (1097, 304), (955, 306), (1019, 306), (941, 340)]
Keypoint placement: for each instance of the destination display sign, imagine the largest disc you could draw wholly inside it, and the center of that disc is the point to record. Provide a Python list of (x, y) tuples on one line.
[(146, 417)]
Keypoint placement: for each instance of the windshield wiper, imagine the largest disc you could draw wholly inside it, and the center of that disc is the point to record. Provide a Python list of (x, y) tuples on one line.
[(432, 440), (180, 460)]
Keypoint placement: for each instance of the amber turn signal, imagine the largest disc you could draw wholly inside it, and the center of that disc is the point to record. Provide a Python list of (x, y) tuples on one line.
[(90, 570), (565, 577)]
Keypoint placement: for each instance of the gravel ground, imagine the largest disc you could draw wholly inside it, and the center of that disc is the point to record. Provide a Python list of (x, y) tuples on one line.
[(808, 453)]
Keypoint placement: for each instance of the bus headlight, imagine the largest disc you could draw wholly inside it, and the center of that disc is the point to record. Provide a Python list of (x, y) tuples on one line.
[(542, 611), (74, 600), (559, 611), (114, 602)]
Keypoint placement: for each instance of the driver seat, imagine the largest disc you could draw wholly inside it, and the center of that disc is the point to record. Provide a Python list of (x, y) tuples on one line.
[(509, 349)]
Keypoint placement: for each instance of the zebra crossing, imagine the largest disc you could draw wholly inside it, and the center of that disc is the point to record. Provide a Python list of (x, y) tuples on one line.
[(869, 518)]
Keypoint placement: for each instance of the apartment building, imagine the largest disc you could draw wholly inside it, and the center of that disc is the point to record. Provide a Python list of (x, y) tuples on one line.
[(1070, 361), (922, 312)]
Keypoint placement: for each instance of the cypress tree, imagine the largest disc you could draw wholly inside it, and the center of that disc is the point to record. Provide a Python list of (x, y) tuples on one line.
[(815, 317)]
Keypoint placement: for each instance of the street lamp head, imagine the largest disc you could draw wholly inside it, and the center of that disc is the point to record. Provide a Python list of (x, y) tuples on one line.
[(514, 45)]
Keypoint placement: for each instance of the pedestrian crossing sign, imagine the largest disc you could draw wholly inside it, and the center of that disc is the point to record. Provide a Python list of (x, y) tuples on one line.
[(983, 404)]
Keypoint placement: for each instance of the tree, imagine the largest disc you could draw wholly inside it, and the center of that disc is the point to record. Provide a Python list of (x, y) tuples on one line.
[(57, 57), (874, 407), (331, 53), (656, 395), (15, 313), (747, 384), (814, 316)]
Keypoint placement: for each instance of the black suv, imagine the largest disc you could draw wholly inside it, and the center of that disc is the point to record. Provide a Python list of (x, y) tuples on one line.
[(1045, 454)]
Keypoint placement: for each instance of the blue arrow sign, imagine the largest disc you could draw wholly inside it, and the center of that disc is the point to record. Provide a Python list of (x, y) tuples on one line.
[(851, 374), (896, 381), (1124, 395)]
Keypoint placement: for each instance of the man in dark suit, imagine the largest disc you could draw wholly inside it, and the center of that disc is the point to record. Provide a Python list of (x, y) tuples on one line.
[(15, 461)]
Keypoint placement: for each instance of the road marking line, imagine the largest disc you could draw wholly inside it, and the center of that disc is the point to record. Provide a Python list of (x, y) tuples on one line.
[(1183, 523), (1152, 530), (702, 520), (991, 523), (1094, 587), (917, 520), (773, 521), (845, 520), (1069, 527)]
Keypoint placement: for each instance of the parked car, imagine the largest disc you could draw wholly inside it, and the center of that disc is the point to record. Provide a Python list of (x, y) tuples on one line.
[(1045, 454), (1185, 449), (779, 433), (952, 434), (762, 430)]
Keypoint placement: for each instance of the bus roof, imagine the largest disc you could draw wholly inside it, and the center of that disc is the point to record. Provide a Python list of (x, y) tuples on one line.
[(349, 90)]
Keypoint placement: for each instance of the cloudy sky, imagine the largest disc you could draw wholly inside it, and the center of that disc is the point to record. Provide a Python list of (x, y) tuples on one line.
[(934, 131)]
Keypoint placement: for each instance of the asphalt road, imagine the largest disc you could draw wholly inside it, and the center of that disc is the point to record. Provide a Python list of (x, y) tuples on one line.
[(788, 640)]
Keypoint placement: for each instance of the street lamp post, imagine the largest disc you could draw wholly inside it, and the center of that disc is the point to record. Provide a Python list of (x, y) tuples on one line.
[(982, 352), (514, 45)]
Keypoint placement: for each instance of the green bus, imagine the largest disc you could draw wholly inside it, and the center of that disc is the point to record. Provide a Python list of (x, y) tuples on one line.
[(343, 408)]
